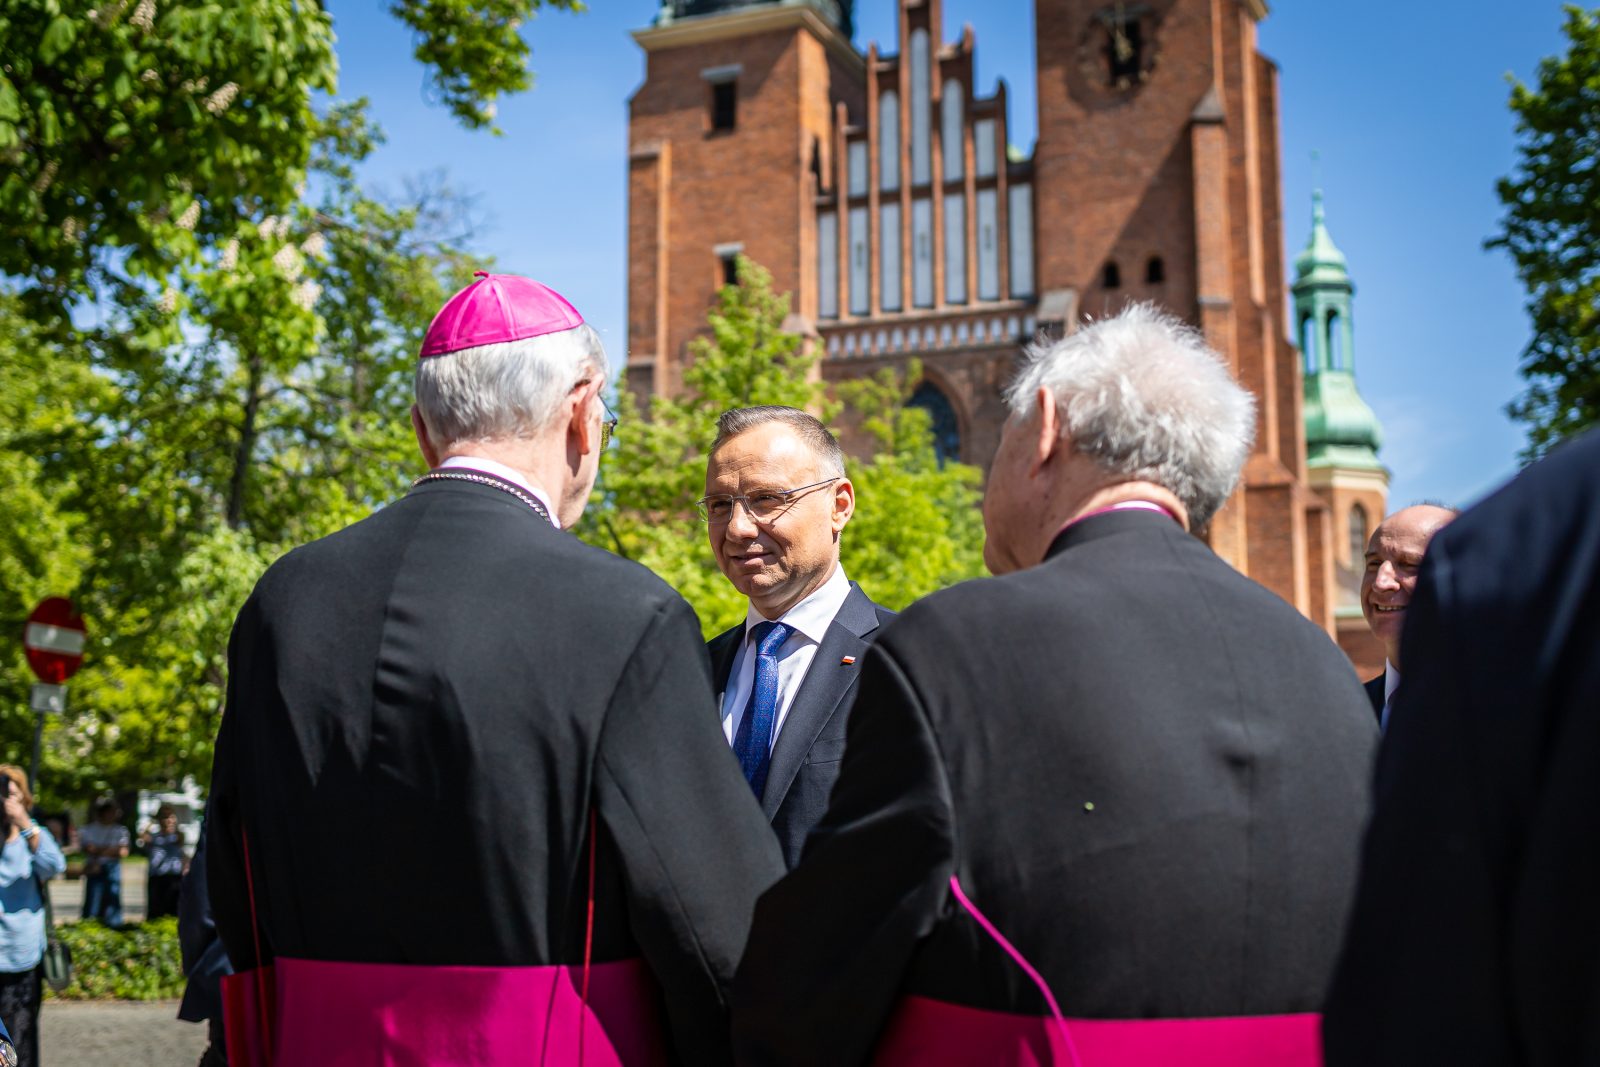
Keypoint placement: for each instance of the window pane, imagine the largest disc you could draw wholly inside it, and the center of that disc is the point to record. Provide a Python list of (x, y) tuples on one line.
[(860, 299), (951, 131), (828, 265), (889, 257), (889, 141), (858, 168), (922, 253), (983, 148), (988, 247), (1020, 200), (955, 250), (921, 111)]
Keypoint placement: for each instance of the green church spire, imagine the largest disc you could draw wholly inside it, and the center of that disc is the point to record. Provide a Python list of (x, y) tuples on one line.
[(1341, 430)]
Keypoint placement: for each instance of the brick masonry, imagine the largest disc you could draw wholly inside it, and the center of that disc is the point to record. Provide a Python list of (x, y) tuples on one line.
[(1176, 162)]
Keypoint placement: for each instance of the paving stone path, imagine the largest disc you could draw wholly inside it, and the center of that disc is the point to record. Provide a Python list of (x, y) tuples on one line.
[(84, 1033)]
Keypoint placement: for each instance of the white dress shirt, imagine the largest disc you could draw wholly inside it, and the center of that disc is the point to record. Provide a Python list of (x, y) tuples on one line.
[(515, 477), (1391, 682), (810, 619)]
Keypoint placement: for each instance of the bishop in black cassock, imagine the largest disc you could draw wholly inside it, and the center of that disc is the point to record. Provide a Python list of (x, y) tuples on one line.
[(429, 710)]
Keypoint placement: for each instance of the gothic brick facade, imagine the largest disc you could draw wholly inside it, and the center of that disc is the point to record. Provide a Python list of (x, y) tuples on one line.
[(881, 192)]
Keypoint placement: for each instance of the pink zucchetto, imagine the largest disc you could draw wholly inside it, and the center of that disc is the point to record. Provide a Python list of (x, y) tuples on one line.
[(498, 308)]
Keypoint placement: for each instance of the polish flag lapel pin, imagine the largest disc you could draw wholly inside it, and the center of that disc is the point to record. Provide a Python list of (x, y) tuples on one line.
[(847, 661)]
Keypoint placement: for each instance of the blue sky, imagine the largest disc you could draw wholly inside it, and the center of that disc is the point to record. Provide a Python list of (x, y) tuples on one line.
[(1405, 102)]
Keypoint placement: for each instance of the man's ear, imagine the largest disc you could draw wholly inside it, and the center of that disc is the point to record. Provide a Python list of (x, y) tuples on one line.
[(844, 504), (430, 454), (581, 437), (1048, 441)]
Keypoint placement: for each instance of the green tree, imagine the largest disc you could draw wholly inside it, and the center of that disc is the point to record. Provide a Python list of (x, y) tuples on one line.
[(262, 407), (916, 527), (1551, 228), (137, 134)]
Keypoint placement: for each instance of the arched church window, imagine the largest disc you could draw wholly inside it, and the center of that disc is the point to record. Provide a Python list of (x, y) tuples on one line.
[(1308, 350), (1111, 275), (942, 416), (1155, 271), (1358, 536), (1336, 355)]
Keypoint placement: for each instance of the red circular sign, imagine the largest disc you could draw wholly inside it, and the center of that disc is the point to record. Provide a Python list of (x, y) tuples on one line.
[(53, 640)]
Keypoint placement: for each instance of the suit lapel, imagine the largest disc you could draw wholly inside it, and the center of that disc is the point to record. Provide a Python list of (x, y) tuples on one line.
[(825, 684), (723, 650)]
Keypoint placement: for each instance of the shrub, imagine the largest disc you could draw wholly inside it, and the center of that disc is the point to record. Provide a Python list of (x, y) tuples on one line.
[(138, 962)]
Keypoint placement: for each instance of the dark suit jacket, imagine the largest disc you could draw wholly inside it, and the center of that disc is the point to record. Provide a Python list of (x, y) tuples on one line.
[(805, 758), (1475, 937), (1147, 771), (1374, 688), (422, 711)]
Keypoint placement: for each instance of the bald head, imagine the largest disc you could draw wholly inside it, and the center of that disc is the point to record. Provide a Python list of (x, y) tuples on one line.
[(1393, 555)]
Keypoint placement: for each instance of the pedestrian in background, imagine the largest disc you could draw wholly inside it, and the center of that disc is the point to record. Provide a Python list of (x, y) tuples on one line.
[(28, 858), (167, 863), (105, 842)]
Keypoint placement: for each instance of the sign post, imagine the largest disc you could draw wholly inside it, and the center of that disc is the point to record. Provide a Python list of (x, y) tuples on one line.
[(53, 640)]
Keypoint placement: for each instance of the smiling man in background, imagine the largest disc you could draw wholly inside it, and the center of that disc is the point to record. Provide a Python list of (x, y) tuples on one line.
[(776, 505), (1393, 555)]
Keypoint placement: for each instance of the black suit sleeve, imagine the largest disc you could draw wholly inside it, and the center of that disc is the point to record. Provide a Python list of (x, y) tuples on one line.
[(832, 940), (224, 860), (695, 848), (1421, 976)]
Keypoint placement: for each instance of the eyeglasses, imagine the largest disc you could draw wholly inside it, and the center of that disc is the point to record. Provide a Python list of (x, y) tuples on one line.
[(764, 505), (608, 425)]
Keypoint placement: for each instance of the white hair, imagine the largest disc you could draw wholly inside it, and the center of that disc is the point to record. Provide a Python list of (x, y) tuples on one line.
[(508, 390), (1143, 396)]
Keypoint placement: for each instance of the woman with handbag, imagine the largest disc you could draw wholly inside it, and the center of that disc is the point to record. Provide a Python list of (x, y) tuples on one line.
[(29, 857)]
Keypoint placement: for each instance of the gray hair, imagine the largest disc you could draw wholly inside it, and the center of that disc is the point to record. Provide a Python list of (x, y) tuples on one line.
[(1143, 395), (512, 389), (807, 427)]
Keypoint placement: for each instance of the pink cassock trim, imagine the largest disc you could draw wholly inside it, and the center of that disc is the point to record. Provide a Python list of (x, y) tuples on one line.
[(932, 1033), (395, 1014)]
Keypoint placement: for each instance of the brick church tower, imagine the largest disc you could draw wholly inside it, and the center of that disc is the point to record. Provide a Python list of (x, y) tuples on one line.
[(881, 190)]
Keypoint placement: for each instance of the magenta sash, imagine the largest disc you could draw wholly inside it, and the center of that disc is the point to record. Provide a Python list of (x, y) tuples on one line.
[(924, 1032), (397, 1015), (934, 1033)]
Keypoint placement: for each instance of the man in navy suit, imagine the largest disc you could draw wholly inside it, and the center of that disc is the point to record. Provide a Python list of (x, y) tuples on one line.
[(776, 505), (1475, 939), (1393, 555)]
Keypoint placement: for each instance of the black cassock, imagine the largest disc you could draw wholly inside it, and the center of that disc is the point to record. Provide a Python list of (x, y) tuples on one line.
[(423, 709), (1148, 771), (1475, 936)]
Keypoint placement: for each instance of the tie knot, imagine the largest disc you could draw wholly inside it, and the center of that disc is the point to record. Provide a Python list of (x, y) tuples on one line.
[(770, 637)]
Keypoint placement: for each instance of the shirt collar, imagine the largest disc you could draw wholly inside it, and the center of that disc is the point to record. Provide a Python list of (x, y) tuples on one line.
[(500, 470), (813, 615), (1391, 680)]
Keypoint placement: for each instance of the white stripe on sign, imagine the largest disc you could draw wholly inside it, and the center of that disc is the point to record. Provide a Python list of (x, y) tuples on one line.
[(53, 639)]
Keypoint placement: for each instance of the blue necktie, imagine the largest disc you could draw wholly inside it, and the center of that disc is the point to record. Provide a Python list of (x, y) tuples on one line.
[(753, 742)]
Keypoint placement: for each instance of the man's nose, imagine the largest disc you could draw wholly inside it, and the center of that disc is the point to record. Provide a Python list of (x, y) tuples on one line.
[(1387, 578), (741, 524)]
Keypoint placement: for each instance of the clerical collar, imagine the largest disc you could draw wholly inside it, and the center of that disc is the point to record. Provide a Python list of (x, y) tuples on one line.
[(505, 473), (1121, 505)]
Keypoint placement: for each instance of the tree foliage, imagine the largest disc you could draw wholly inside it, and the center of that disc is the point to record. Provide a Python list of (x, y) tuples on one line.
[(1551, 228), (206, 333), (136, 135), (916, 527)]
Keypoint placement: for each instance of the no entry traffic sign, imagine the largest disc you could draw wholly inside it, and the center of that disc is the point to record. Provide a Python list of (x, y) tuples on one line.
[(53, 640)]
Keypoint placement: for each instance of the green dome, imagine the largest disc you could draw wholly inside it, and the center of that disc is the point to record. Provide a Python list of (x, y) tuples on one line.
[(1320, 262), (1341, 430)]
